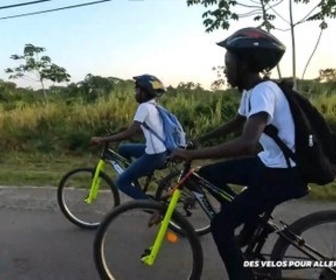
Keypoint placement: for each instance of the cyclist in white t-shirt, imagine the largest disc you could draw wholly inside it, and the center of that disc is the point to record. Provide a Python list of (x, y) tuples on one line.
[(269, 180), (152, 154)]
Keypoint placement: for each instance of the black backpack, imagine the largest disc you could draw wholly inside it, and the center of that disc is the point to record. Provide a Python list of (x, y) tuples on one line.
[(315, 143)]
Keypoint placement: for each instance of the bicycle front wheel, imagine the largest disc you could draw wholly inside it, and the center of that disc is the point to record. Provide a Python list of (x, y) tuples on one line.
[(318, 231), (73, 190), (125, 235)]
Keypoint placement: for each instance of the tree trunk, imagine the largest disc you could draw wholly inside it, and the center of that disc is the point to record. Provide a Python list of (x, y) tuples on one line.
[(268, 30), (44, 91), (293, 44), (311, 56)]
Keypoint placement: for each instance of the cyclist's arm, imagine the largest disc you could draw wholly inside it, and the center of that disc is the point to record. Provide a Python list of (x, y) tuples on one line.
[(132, 130), (232, 126), (245, 144)]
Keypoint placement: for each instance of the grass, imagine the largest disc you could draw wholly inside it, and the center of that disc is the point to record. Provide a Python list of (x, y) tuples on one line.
[(21, 169), (18, 169), (31, 130)]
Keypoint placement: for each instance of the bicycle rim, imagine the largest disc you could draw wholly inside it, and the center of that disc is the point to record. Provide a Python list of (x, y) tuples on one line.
[(124, 236), (318, 230), (73, 191)]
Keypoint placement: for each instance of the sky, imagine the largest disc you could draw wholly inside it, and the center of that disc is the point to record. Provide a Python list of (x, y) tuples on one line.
[(166, 38)]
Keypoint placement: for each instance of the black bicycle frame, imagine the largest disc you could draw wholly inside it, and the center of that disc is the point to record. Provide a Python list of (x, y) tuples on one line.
[(197, 184)]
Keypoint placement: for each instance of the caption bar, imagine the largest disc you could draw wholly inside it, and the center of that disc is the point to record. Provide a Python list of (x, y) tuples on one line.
[(302, 264)]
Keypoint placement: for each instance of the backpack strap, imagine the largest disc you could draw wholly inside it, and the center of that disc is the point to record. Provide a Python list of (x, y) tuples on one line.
[(153, 132), (272, 132)]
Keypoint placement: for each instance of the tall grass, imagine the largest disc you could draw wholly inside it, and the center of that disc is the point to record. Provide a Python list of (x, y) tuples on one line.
[(326, 104), (67, 125)]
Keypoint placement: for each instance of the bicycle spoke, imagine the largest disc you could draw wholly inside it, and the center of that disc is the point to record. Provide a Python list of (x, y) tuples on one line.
[(73, 194), (130, 230), (319, 233)]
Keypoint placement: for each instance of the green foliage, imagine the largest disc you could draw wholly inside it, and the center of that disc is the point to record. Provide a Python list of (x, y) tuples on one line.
[(74, 113), (41, 67), (224, 12), (98, 106), (220, 81), (327, 75)]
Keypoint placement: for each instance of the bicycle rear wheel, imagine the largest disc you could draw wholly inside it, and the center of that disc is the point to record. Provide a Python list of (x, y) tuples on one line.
[(124, 236), (74, 188), (318, 230)]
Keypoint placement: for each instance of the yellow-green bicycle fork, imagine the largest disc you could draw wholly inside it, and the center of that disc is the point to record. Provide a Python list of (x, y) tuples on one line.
[(95, 183), (150, 257)]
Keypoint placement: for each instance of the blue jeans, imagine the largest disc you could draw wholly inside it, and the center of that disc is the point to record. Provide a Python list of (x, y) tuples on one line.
[(267, 187), (142, 166)]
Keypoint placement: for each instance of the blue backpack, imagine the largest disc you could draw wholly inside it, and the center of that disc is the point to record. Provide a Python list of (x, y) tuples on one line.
[(174, 133)]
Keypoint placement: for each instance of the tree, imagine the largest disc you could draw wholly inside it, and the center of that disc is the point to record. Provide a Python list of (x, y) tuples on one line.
[(327, 75), (189, 86), (40, 67), (97, 86), (220, 81), (264, 11)]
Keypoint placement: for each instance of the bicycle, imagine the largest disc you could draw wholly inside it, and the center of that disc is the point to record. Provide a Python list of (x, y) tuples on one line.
[(290, 237), (86, 194)]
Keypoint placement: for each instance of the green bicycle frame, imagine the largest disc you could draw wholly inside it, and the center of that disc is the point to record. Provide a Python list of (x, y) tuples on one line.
[(95, 184), (154, 250)]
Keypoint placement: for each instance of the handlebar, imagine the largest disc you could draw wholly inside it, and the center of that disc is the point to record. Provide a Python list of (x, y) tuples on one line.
[(186, 165), (191, 145), (105, 146)]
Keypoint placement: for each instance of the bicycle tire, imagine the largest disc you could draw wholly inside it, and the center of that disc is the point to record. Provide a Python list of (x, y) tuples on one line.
[(299, 227), (163, 186), (143, 205), (61, 197)]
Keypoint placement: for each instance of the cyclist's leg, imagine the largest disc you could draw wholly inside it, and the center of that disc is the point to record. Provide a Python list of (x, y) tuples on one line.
[(247, 171), (268, 188), (236, 171), (141, 167), (131, 150), (245, 206)]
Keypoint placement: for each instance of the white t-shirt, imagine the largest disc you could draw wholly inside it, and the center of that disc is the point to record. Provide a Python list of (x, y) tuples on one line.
[(147, 113), (268, 97)]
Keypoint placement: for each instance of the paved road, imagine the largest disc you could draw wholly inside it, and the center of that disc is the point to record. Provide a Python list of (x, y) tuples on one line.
[(37, 243)]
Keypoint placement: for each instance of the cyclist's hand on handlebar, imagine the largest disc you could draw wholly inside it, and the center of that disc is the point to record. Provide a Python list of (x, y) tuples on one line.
[(96, 140), (192, 144), (180, 154)]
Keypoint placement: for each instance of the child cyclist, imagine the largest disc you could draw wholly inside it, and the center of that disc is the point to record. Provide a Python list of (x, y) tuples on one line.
[(151, 155), (270, 181)]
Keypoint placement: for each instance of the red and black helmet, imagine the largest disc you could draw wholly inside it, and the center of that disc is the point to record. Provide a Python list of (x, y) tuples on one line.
[(259, 47)]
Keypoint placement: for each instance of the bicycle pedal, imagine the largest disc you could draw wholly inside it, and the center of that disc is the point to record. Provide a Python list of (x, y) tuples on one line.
[(146, 253)]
